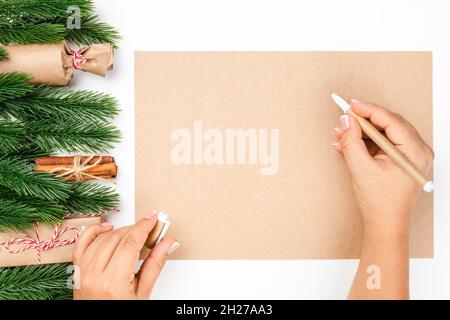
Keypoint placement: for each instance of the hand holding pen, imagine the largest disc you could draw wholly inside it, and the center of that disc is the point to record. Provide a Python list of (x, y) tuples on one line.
[(386, 194)]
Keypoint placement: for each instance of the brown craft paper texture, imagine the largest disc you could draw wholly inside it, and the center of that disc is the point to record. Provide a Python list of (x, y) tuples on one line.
[(304, 208), (52, 63), (54, 255)]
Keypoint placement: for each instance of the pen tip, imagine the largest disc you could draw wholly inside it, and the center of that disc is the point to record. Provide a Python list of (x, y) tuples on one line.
[(340, 102)]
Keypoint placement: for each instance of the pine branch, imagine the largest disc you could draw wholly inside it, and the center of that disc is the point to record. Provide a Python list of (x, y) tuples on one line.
[(16, 215), (15, 143), (14, 85), (26, 10), (26, 33), (28, 152), (11, 136), (17, 174), (81, 136), (93, 31), (19, 213), (40, 282), (3, 54), (62, 104), (91, 197)]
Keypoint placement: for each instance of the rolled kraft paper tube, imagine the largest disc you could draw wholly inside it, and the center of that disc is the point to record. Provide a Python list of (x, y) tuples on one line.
[(45, 161), (54, 64), (104, 171), (43, 244)]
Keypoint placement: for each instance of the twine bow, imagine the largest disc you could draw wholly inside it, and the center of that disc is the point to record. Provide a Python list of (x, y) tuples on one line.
[(77, 58), (78, 171), (28, 242)]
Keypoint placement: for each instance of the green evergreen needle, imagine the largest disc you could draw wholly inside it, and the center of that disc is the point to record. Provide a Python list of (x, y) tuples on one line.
[(93, 31), (63, 104), (19, 213), (17, 174), (11, 136), (36, 282), (3, 54), (91, 197), (26, 33), (42, 9), (73, 136), (14, 85), (27, 152)]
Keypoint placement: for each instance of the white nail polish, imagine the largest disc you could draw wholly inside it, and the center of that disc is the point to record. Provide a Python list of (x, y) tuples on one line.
[(173, 247), (345, 121)]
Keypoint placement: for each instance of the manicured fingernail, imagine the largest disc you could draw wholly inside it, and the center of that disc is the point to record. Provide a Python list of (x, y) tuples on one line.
[(173, 247), (355, 101), (151, 215), (337, 129), (345, 121), (336, 144), (107, 224)]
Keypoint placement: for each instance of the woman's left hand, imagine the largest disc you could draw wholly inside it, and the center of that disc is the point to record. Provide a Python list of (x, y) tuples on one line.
[(105, 261)]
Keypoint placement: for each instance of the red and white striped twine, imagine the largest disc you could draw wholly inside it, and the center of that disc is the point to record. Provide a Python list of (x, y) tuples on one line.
[(77, 58), (28, 242)]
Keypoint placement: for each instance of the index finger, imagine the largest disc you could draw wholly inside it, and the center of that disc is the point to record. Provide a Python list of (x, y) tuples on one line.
[(126, 254), (87, 237), (398, 130)]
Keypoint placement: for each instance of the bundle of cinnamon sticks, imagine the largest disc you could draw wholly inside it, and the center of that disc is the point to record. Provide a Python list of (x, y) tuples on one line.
[(78, 168)]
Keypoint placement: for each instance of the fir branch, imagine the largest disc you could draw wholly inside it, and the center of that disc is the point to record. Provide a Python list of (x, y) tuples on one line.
[(26, 33), (80, 136), (62, 104), (14, 85), (3, 54), (14, 142), (39, 282), (28, 152), (90, 198), (11, 136), (93, 31), (19, 213), (17, 174), (42, 9), (16, 215)]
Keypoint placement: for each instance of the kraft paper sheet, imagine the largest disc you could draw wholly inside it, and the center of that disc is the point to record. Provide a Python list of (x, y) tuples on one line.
[(307, 209)]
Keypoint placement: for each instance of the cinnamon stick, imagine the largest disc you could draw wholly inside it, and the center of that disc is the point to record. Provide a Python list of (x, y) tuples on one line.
[(104, 171), (46, 161)]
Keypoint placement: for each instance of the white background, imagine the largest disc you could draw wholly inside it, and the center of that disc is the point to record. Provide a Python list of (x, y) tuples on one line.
[(280, 25)]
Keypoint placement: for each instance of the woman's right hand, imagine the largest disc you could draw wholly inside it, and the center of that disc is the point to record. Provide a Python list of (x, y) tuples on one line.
[(386, 194)]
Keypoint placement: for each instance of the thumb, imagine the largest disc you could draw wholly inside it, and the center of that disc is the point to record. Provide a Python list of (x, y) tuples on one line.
[(353, 147), (153, 265)]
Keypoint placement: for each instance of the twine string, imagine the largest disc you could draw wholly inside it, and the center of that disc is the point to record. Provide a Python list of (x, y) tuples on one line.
[(26, 242), (77, 58), (90, 215), (79, 168)]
